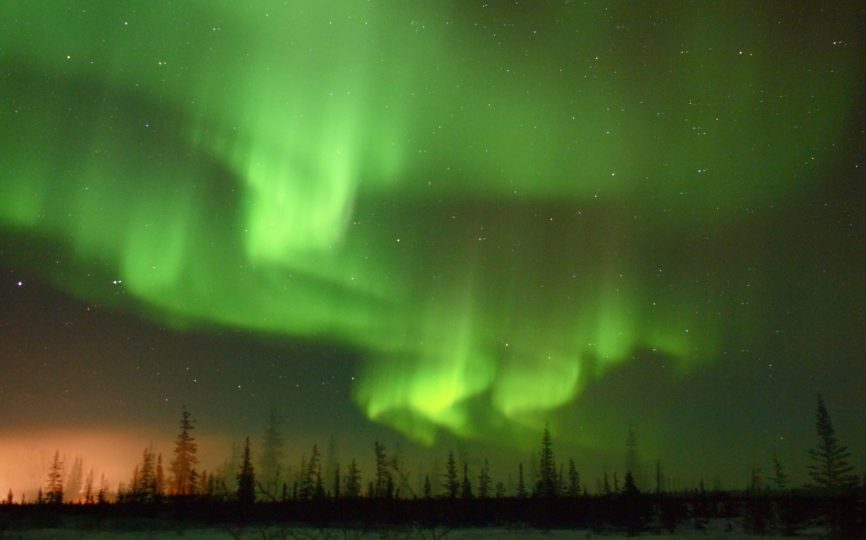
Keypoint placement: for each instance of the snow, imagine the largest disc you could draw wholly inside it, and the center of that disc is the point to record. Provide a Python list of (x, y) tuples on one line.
[(275, 533)]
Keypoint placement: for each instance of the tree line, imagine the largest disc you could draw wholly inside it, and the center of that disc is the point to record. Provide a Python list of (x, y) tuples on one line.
[(319, 493), (238, 479)]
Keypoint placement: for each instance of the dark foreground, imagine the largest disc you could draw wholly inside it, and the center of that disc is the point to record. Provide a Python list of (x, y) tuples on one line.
[(839, 515)]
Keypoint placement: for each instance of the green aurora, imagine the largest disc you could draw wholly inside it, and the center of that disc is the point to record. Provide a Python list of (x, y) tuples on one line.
[(494, 204)]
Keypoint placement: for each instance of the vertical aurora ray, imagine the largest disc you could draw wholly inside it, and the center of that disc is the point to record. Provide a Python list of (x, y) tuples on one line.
[(490, 207)]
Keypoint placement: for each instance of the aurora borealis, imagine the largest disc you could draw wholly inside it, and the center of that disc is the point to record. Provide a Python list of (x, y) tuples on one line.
[(479, 217)]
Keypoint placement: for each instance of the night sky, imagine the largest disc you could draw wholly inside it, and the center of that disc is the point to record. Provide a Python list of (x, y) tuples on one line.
[(435, 224)]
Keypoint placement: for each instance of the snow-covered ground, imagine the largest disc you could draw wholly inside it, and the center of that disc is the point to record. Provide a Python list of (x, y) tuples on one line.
[(262, 533)]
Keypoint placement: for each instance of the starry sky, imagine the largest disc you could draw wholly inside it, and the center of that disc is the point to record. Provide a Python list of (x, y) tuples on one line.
[(436, 224)]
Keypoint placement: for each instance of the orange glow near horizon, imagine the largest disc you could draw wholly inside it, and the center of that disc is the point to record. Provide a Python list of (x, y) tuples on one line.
[(114, 452)]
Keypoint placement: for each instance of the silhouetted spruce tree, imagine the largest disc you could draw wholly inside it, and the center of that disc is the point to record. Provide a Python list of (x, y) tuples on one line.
[(159, 479), (211, 490), (399, 481), (633, 509), (134, 486), (484, 481), (450, 485), (9, 497), (780, 477), (521, 485), (272, 449), (830, 468), (353, 481), (335, 489), (547, 484), (500, 490), (606, 485), (299, 478), (143, 488), (659, 478), (632, 461), (428, 490), (194, 481), (466, 484), (246, 493), (573, 480), (102, 494), (319, 491), (225, 476), (629, 487), (184, 481), (756, 480), (201, 484), (88, 488), (312, 478), (560, 480), (54, 491), (384, 486), (74, 483)]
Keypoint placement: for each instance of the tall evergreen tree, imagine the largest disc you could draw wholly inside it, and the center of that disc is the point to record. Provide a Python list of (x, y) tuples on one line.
[(560, 480), (629, 487), (194, 481), (428, 489), (202, 482), (102, 494), (88, 488), (384, 486), (134, 486), (184, 481), (830, 468), (547, 477), (451, 486), (335, 489), (521, 485), (319, 490), (159, 479), (225, 476), (484, 481), (573, 479), (466, 484), (312, 479), (207, 484), (146, 488), (54, 492), (659, 477), (632, 461), (143, 487), (273, 447), (246, 493), (353, 481), (74, 483), (756, 481), (780, 477), (329, 463)]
